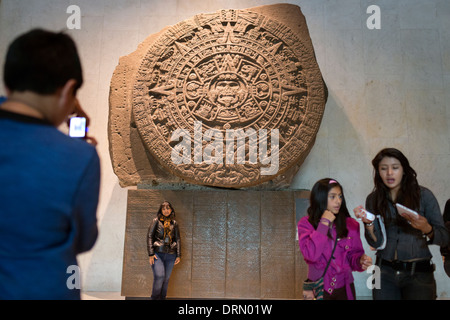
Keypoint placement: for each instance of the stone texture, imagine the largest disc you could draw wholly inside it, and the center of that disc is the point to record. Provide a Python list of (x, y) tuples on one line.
[(246, 69), (235, 244)]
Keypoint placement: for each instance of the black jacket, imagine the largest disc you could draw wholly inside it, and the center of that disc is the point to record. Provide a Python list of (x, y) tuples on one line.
[(155, 238)]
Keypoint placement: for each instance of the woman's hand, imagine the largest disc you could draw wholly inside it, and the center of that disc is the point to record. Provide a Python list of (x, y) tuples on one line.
[(365, 261), (152, 259), (418, 222), (327, 214), (360, 214), (177, 260)]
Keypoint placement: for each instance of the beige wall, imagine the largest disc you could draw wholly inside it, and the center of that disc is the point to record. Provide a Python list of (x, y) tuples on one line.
[(387, 87)]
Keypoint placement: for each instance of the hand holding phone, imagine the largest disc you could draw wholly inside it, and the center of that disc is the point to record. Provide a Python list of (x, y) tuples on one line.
[(404, 211), (362, 213), (77, 127), (368, 215)]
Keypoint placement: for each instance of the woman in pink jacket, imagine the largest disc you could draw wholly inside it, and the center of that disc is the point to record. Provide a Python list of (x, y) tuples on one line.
[(328, 218)]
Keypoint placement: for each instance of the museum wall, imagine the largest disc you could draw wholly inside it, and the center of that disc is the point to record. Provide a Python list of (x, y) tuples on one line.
[(387, 87)]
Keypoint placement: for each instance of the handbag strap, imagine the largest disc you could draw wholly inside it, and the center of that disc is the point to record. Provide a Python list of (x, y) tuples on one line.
[(329, 261)]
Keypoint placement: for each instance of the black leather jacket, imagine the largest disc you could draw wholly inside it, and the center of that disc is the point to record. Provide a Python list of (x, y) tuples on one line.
[(155, 238)]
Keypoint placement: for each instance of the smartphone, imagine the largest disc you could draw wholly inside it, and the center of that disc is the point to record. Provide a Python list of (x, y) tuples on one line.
[(77, 127), (402, 209), (369, 216)]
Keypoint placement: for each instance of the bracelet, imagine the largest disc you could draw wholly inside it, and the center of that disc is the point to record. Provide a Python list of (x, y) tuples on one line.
[(369, 224), (324, 220), (427, 234)]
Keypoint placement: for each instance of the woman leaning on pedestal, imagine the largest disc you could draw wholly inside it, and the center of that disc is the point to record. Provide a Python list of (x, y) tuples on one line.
[(164, 249)]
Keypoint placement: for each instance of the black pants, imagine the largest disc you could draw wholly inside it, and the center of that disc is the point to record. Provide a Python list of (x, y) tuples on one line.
[(339, 294), (404, 285)]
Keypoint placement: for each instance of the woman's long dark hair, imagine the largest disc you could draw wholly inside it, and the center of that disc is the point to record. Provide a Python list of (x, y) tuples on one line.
[(160, 214), (409, 192), (318, 203)]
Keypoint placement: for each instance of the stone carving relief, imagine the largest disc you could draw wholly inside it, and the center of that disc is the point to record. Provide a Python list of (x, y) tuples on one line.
[(217, 73)]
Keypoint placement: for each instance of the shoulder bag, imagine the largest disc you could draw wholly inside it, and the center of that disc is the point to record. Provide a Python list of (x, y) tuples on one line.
[(313, 290)]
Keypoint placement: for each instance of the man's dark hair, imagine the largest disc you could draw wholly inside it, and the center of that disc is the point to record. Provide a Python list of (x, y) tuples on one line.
[(42, 61)]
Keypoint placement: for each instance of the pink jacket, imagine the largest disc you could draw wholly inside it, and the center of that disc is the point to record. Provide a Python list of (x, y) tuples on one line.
[(316, 248)]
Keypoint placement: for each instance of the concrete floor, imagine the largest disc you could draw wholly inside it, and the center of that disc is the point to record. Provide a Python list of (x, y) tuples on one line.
[(101, 296)]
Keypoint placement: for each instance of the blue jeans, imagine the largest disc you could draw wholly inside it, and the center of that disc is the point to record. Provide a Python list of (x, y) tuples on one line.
[(162, 268)]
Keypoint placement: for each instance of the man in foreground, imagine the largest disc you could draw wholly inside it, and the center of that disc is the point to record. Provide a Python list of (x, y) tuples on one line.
[(50, 182)]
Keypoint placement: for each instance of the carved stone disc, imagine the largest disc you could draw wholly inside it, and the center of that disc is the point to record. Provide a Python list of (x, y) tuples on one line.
[(229, 70)]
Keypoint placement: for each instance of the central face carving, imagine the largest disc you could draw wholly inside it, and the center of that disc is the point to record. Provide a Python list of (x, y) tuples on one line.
[(228, 90)]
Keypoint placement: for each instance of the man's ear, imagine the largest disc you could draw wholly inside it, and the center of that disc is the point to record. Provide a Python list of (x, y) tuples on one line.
[(67, 96), (67, 92), (66, 101)]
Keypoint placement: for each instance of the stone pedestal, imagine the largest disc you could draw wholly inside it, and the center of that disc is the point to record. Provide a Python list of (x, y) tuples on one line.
[(235, 244)]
